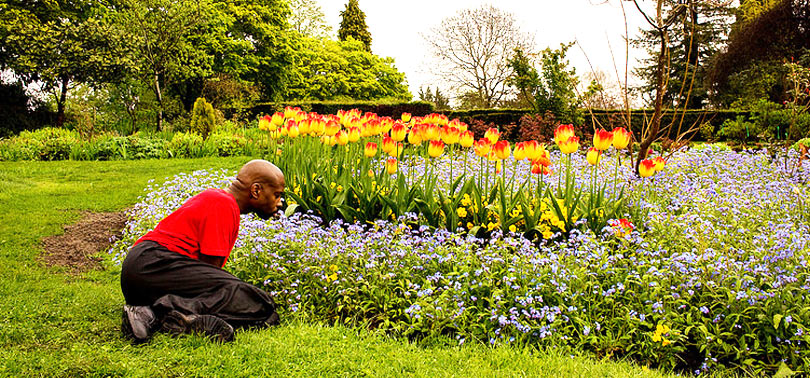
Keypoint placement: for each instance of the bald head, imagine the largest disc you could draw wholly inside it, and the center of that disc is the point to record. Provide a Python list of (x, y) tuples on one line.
[(260, 171), (258, 188)]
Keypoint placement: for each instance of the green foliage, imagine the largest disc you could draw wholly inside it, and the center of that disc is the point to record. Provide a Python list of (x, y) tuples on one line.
[(384, 108), (696, 35), (332, 70), (353, 25), (203, 118), (308, 19), (553, 88), (437, 98), (185, 145)]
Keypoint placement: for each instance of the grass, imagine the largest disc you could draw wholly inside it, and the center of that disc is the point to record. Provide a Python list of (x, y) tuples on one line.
[(54, 324)]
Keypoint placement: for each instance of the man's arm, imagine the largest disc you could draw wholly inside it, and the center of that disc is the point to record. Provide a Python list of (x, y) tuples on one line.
[(216, 261)]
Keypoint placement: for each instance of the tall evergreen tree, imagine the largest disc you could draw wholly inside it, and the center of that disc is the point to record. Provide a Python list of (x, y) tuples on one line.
[(696, 35), (353, 24)]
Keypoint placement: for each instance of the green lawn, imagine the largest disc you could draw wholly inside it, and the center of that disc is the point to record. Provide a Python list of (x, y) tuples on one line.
[(55, 324)]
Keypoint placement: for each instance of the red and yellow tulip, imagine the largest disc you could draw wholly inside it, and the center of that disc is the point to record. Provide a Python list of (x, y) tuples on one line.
[(391, 165), (593, 156), (501, 149), (436, 148), (492, 135), (646, 168), (388, 144), (482, 147), (540, 169), (659, 163), (602, 139), (563, 134), (466, 139), (621, 138), (398, 132), (570, 145), (354, 134), (450, 135), (341, 138), (520, 151), (371, 149)]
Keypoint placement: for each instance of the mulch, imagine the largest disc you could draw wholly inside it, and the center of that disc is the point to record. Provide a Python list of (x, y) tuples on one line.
[(77, 248)]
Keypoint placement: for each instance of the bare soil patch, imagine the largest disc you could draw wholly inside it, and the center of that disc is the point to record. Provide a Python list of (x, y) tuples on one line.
[(75, 249)]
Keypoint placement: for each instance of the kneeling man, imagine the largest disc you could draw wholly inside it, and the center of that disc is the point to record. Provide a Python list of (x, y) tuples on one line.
[(172, 278)]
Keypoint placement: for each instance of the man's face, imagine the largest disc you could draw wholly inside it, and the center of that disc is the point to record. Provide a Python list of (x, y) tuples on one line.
[(269, 200)]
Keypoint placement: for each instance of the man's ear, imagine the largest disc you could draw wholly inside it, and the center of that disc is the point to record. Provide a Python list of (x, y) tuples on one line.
[(255, 188)]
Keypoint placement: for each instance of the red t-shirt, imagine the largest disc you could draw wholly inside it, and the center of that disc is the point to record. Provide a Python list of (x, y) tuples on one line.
[(207, 224)]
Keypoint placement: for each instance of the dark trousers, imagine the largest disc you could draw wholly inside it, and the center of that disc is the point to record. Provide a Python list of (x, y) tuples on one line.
[(152, 275)]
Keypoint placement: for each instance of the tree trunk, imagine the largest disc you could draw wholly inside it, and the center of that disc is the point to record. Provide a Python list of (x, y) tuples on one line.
[(60, 103), (660, 91), (159, 121)]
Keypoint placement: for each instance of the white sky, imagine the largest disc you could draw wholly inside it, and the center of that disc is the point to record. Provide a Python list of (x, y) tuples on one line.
[(395, 28)]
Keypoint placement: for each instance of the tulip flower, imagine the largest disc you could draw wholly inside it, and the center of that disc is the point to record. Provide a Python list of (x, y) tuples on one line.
[(371, 149), (436, 148), (415, 137), (300, 116), (328, 140), (501, 149), (331, 128), (292, 130), (405, 117), (341, 138), (482, 147), (563, 134), (432, 132), (317, 127), (659, 163), (593, 156), (543, 157), (397, 151), (570, 146), (621, 138), (466, 139), (602, 139), (461, 126), (277, 119), (354, 134), (391, 165), (398, 132), (646, 168), (492, 135), (450, 135), (388, 144), (284, 130), (304, 126), (530, 147), (540, 169), (520, 151), (264, 123), (290, 112)]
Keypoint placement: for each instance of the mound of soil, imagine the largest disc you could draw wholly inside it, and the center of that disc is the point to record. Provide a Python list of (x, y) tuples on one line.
[(75, 249)]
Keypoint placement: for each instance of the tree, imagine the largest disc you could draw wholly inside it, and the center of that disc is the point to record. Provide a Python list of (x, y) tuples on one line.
[(307, 19), (353, 24), (163, 39), (337, 70), (601, 93), (474, 47), (764, 36), (696, 34), (553, 88), (439, 100), (60, 43)]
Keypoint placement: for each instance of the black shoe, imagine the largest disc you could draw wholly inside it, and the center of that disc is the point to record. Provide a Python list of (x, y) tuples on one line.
[(138, 323), (213, 326)]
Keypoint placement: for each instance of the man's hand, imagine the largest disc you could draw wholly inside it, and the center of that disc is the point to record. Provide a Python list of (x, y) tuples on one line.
[(216, 261)]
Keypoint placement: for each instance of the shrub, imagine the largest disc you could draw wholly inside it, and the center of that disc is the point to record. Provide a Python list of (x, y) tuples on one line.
[(537, 127), (186, 145), (203, 118), (225, 144)]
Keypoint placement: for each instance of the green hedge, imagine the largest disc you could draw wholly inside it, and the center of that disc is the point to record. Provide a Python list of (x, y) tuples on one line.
[(383, 109)]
